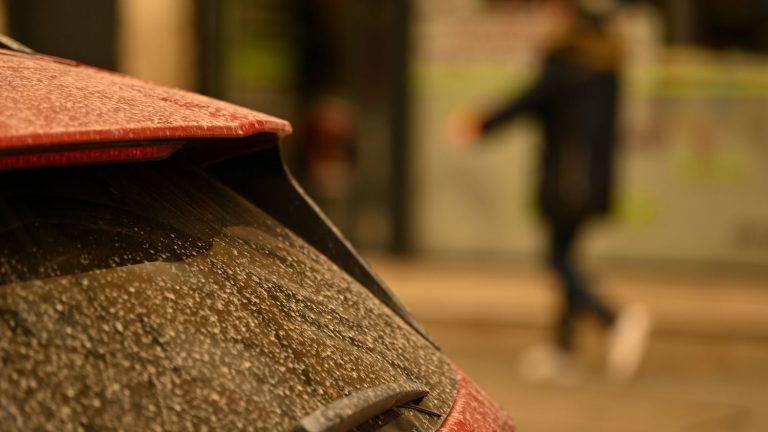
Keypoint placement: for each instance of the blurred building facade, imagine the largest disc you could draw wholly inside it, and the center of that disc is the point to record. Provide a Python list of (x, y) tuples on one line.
[(693, 157), (370, 85)]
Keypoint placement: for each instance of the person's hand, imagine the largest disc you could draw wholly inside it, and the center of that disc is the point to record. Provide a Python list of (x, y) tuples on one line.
[(463, 128)]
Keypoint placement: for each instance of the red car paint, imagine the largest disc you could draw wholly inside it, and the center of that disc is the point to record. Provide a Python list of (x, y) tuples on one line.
[(49, 103), (86, 156), (474, 411)]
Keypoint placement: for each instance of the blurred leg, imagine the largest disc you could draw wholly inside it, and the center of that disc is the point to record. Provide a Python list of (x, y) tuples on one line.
[(576, 295)]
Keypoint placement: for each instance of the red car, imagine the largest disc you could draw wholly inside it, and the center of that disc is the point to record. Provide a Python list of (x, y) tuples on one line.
[(161, 270)]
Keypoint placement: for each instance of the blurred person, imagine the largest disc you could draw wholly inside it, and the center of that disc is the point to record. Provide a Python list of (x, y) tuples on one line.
[(576, 99), (329, 153)]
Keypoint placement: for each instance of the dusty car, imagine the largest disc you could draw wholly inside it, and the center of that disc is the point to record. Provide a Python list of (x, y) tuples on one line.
[(161, 270)]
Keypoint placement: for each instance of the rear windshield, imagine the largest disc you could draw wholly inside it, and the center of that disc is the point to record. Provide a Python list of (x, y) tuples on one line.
[(149, 296)]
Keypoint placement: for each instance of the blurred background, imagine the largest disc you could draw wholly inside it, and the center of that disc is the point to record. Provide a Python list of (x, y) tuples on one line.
[(369, 87)]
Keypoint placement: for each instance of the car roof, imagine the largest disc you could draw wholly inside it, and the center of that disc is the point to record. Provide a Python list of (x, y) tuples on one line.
[(50, 103)]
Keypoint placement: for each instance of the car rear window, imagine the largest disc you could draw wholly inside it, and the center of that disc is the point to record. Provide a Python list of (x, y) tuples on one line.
[(149, 296)]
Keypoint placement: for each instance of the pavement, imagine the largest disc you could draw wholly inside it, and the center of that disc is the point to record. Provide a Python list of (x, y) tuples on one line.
[(706, 367)]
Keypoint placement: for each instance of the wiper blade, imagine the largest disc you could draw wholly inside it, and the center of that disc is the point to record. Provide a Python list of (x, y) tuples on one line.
[(346, 413)]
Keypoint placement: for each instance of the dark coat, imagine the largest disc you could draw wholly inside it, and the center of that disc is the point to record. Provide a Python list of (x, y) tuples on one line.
[(577, 107)]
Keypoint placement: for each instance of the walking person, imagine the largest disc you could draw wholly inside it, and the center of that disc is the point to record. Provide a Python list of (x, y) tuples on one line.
[(575, 98)]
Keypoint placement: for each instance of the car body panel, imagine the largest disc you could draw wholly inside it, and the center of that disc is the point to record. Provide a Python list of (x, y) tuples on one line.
[(473, 410)]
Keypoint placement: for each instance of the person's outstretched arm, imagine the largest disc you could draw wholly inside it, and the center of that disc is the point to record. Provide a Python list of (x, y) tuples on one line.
[(542, 89)]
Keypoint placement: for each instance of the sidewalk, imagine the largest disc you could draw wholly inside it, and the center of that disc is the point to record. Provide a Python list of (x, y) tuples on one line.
[(705, 305), (706, 368)]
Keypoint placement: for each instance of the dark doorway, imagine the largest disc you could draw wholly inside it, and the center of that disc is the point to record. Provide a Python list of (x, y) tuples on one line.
[(82, 30)]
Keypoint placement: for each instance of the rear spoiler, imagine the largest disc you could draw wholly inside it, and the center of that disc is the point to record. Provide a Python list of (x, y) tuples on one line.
[(57, 112)]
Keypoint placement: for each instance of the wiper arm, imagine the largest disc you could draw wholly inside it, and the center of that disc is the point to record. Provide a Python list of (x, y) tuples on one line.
[(353, 410)]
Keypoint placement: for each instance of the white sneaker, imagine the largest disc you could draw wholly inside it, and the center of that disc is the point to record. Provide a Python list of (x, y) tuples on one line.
[(548, 363), (627, 342)]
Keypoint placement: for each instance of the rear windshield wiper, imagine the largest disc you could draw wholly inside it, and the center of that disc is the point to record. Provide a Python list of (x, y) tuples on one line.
[(353, 410)]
